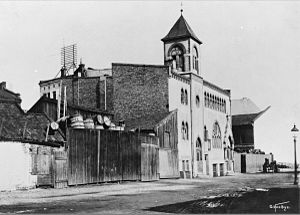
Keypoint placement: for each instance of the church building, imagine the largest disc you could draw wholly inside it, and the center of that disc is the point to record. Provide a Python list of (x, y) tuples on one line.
[(204, 136), (191, 116)]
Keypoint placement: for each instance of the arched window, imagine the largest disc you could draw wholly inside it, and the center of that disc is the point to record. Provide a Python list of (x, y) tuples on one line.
[(197, 101), (208, 100), (182, 96), (216, 136), (199, 149), (195, 60), (205, 99), (186, 97), (187, 130), (177, 55), (183, 131), (224, 106), (214, 102), (205, 134)]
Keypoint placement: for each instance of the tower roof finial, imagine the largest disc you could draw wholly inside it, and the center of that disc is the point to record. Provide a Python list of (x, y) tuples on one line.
[(181, 10)]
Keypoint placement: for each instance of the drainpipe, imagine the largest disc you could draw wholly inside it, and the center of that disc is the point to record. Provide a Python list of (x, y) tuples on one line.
[(105, 93), (78, 92), (191, 112)]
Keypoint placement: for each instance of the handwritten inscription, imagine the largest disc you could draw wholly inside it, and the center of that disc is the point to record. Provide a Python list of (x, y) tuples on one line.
[(280, 206)]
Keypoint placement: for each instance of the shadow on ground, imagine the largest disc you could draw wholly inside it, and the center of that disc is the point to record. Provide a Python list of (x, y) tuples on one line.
[(275, 200)]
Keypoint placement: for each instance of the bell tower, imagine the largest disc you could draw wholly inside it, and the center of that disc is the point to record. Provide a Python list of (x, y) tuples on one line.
[(181, 48)]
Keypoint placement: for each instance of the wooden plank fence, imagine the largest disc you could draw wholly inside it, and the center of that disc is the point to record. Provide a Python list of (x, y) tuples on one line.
[(102, 156), (167, 132), (149, 158), (168, 161)]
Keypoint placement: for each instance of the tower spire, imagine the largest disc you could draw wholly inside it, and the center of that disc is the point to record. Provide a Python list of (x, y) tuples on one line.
[(181, 10)]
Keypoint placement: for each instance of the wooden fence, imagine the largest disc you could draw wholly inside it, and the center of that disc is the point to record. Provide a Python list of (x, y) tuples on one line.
[(103, 156), (149, 158), (167, 132), (168, 163)]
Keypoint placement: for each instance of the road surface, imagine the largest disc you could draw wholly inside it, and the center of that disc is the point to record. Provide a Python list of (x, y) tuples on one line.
[(239, 193)]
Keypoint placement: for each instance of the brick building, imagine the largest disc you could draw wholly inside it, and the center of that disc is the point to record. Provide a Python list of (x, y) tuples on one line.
[(87, 88), (145, 96)]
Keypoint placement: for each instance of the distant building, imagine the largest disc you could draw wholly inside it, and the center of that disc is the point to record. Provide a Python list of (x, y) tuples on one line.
[(247, 159), (191, 116), (8, 96), (244, 113)]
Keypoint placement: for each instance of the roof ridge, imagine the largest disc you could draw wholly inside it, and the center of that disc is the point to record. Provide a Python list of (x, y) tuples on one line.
[(9, 91)]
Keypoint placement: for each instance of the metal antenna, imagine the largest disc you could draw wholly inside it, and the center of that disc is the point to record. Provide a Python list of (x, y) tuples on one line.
[(69, 57), (64, 53)]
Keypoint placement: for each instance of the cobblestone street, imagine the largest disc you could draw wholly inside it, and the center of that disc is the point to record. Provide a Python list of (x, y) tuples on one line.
[(240, 193)]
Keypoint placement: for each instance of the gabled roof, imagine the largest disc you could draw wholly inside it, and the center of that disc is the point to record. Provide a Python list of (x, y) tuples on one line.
[(41, 107), (246, 119), (244, 111), (15, 125), (181, 29), (146, 122), (243, 106)]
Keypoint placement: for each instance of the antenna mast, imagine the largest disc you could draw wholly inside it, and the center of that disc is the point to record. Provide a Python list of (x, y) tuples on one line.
[(69, 57)]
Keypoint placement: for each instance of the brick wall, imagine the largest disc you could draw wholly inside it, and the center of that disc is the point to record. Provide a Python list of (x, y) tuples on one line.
[(109, 94), (139, 90), (87, 92)]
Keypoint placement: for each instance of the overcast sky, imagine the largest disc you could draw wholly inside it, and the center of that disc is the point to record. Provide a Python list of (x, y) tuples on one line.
[(249, 47)]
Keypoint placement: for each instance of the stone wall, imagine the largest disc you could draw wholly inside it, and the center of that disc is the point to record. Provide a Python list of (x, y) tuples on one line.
[(254, 162)]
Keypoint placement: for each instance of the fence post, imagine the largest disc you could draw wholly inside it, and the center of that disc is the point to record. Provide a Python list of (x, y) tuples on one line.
[(98, 155)]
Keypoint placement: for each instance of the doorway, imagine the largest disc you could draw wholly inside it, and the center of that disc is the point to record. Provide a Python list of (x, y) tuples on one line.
[(199, 156), (207, 164), (215, 174), (243, 163)]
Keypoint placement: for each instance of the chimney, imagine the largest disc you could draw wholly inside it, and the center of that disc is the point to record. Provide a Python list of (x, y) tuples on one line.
[(80, 71), (63, 71), (3, 85)]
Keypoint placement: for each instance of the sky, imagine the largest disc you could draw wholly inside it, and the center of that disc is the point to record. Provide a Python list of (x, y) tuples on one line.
[(250, 47)]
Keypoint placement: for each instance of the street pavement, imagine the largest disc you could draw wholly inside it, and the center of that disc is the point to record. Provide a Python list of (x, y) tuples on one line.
[(238, 193)]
